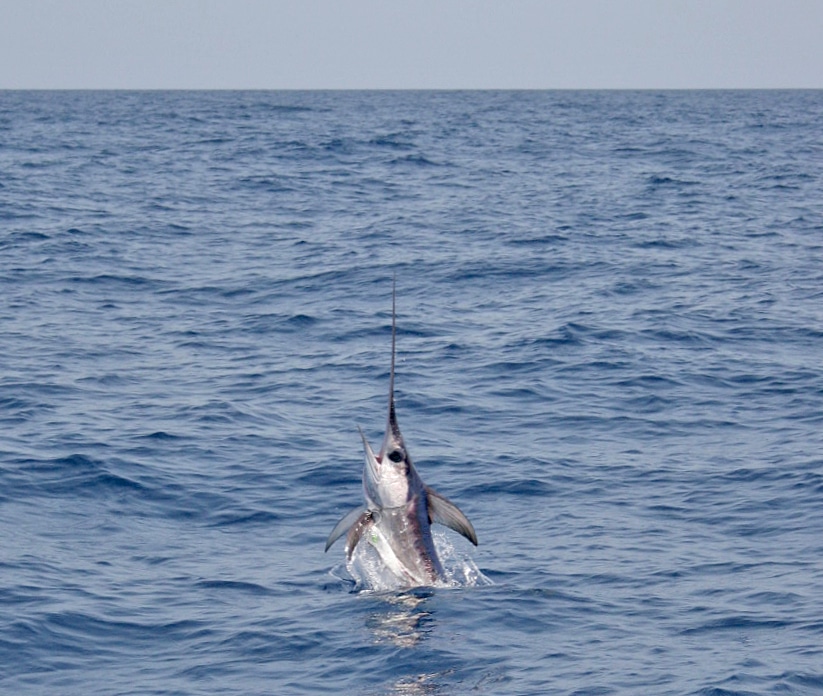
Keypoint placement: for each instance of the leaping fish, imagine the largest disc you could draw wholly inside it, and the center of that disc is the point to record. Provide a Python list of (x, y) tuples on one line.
[(399, 508)]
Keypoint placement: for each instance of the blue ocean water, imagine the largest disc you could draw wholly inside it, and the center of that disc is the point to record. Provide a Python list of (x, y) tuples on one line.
[(610, 356)]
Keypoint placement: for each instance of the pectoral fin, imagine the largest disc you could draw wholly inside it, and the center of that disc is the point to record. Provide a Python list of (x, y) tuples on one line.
[(362, 524), (445, 512), (343, 525)]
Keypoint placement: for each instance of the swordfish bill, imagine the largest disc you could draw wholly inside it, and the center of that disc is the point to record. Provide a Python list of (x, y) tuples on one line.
[(399, 508)]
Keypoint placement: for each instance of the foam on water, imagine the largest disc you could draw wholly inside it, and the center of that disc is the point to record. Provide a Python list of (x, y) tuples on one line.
[(368, 572)]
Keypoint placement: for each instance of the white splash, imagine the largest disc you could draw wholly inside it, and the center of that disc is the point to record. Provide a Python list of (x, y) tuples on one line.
[(370, 573)]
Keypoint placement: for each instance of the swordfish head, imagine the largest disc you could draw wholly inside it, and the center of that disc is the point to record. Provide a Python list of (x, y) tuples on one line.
[(389, 478)]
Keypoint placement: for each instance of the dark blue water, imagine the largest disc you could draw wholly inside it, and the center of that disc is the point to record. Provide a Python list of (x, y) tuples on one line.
[(610, 355)]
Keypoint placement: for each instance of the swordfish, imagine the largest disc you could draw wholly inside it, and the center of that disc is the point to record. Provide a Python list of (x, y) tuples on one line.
[(399, 509)]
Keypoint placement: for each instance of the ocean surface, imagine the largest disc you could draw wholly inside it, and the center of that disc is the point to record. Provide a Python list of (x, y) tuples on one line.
[(610, 356)]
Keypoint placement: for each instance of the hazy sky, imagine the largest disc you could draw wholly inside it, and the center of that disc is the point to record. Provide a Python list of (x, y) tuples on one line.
[(410, 43)]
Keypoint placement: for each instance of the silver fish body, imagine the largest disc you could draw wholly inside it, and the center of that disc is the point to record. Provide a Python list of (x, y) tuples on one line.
[(399, 508)]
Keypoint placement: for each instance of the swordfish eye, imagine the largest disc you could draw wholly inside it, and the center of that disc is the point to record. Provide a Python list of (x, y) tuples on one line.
[(396, 455)]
